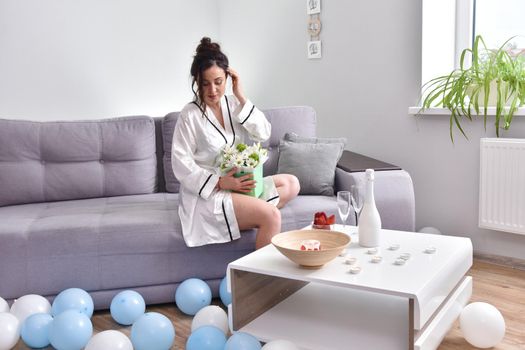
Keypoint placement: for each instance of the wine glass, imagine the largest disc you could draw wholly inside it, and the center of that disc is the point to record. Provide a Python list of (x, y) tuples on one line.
[(356, 198), (343, 205)]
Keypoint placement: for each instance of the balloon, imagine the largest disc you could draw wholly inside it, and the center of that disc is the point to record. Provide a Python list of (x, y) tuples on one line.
[(127, 306), (226, 297), (28, 305), (482, 325), (109, 340), (211, 316), (35, 330), (73, 298), (152, 331), (4, 306), (242, 341), (70, 330), (192, 295), (9, 330), (280, 345), (429, 229), (206, 338)]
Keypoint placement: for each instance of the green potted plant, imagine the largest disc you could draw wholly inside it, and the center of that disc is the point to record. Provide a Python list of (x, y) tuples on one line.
[(495, 78)]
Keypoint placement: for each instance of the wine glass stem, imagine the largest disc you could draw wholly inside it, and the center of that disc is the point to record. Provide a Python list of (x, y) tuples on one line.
[(356, 223)]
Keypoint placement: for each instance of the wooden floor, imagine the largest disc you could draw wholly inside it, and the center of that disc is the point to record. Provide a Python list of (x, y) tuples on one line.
[(501, 286)]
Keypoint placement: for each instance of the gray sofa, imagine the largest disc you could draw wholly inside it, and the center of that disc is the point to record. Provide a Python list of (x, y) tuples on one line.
[(93, 205)]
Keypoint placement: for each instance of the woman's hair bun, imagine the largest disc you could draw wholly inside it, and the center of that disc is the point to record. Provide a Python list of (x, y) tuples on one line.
[(207, 46)]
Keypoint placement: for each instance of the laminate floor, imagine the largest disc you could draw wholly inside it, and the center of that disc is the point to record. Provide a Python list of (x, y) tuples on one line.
[(501, 286)]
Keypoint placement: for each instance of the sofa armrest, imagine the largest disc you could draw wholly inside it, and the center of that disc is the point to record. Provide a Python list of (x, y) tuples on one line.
[(354, 162), (393, 194)]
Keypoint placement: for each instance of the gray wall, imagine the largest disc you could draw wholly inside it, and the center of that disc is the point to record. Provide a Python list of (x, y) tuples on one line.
[(63, 59), (98, 58), (369, 75)]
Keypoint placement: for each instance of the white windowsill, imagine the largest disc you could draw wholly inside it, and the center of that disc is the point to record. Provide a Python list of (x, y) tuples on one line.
[(445, 112)]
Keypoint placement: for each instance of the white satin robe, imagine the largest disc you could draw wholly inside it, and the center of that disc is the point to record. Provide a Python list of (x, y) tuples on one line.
[(207, 214)]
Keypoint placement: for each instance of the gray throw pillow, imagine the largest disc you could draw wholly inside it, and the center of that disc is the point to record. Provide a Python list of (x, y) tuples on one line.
[(312, 160)]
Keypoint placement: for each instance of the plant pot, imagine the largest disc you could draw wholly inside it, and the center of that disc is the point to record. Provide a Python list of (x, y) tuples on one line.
[(493, 94)]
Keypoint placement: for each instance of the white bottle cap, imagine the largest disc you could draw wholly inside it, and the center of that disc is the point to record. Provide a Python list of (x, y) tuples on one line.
[(370, 174)]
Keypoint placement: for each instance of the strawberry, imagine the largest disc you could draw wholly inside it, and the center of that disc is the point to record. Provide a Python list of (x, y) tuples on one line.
[(320, 218), (330, 220)]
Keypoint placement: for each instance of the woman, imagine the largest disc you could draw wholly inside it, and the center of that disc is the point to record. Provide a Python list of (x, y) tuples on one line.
[(213, 208)]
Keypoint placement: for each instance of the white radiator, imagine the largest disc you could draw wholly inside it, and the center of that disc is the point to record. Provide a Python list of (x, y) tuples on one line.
[(502, 185)]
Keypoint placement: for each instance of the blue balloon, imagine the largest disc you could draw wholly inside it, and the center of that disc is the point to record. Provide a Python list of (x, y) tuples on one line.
[(152, 331), (35, 330), (226, 296), (192, 295), (73, 298), (242, 341), (70, 330), (127, 306), (206, 338)]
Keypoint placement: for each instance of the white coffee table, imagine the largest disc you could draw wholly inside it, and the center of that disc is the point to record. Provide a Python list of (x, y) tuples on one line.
[(385, 306)]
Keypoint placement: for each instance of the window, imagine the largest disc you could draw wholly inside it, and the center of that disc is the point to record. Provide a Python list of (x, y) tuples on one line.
[(450, 26)]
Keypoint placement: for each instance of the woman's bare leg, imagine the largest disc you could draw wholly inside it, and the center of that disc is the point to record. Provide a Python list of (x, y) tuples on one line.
[(255, 213), (288, 187)]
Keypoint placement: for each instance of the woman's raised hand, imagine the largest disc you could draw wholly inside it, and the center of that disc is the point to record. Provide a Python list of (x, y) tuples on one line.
[(242, 184), (236, 86)]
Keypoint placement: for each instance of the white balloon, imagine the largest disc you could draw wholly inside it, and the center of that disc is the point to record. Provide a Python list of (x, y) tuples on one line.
[(109, 340), (280, 345), (482, 325), (9, 330), (28, 305), (4, 306), (211, 315), (429, 229)]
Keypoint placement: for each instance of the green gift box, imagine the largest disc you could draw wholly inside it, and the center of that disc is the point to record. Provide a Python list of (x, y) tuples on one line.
[(257, 176)]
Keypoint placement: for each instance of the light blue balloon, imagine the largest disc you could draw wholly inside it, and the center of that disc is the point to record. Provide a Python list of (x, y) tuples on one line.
[(152, 331), (35, 330), (73, 298), (127, 306), (70, 330), (242, 341), (206, 338), (226, 296), (192, 295)]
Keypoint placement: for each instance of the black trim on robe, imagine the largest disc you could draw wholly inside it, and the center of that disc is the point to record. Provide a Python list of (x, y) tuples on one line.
[(271, 199), (205, 115), (227, 223), (205, 182), (249, 114), (231, 122)]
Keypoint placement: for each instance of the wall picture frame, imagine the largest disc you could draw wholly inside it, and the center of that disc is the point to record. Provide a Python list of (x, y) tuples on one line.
[(314, 49), (313, 7)]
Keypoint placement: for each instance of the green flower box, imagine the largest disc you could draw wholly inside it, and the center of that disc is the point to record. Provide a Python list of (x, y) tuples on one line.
[(257, 176)]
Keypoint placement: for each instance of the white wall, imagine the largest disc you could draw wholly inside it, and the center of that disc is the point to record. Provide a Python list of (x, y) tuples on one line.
[(62, 59), (369, 74)]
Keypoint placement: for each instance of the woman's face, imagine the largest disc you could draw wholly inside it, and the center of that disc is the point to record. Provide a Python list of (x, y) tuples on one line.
[(213, 85)]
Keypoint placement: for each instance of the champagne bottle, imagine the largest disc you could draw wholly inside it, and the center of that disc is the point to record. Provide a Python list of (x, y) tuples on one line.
[(369, 221)]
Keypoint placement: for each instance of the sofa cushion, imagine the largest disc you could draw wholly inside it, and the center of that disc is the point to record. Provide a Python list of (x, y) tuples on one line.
[(168, 127), (104, 244), (52, 161), (312, 161)]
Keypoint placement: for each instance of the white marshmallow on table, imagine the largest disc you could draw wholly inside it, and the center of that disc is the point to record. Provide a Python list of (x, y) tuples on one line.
[(394, 247), (371, 251), (405, 256), (376, 259), (350, 260), (430, 250), (355, 270), (400, 261)]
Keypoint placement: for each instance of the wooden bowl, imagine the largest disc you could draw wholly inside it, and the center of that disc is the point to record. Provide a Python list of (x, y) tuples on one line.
[(332, 244)]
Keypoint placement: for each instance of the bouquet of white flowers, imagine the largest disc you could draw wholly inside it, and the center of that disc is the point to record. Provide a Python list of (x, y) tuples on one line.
[(247, 160)]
